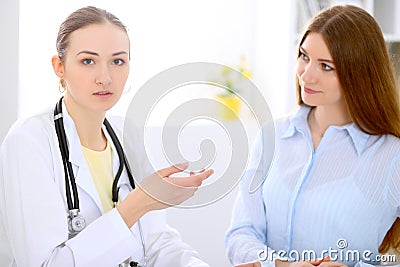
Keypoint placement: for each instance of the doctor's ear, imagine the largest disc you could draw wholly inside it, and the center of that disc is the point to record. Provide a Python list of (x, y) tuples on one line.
[(58, 66)]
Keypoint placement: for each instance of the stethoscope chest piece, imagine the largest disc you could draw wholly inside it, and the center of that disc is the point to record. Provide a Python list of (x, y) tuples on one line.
[(76, 223)]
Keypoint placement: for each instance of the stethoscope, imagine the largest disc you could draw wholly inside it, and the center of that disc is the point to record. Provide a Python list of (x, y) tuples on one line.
[(76, 223)]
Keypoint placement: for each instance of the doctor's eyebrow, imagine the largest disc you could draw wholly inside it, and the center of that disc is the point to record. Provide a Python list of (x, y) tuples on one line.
[(97, 54)]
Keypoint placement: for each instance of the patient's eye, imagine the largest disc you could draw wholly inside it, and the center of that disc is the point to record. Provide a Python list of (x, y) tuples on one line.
[(326, 67), (303, 56)]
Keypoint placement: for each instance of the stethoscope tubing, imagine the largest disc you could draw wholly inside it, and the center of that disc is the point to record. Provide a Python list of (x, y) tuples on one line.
[(69, 176), (122, 157)]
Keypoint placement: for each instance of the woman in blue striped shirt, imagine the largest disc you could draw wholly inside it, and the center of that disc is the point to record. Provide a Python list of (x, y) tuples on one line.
[(333, 190)]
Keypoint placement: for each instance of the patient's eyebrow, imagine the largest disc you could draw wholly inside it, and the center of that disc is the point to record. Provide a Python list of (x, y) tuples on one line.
[(319, 59)]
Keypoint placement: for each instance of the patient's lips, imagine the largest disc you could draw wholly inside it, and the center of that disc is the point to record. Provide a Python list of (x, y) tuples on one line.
[(310, 91)]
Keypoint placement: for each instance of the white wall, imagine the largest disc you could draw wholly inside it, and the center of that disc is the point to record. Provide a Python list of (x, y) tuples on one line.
[(9, 64), (275, 54)]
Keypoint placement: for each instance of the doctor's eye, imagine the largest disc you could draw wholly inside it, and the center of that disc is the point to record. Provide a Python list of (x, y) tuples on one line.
[(88, 61), (118, 62)]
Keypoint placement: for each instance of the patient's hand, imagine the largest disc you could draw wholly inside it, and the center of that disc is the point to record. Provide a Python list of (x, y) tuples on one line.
[(250, 264), (325, 262)]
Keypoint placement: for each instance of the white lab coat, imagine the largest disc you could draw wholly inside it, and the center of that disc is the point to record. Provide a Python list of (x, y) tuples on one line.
[(33, 209)]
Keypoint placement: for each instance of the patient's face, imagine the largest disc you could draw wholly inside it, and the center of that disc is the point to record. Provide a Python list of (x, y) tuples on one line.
[(317, 75)]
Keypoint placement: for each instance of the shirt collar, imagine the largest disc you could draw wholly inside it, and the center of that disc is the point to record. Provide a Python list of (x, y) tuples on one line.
[(298, 123), (358, 137)]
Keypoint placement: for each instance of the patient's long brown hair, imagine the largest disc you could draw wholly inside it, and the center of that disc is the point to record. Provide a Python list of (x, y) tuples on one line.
[(366, 75)]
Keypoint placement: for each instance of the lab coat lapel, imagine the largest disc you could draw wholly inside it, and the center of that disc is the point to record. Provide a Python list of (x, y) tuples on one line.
[(83, 177)]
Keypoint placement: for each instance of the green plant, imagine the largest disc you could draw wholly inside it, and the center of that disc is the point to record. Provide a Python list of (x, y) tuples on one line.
[(231, 80)]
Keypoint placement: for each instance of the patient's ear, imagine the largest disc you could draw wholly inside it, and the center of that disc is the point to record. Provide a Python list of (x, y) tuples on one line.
[(58, 66)]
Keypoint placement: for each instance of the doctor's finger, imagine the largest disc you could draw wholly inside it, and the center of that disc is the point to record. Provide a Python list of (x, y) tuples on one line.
[(191, 181), (173, 169), (194, 172)]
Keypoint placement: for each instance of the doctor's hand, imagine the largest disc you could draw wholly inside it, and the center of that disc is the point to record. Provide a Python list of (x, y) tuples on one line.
[(160, 191), (163, 191)]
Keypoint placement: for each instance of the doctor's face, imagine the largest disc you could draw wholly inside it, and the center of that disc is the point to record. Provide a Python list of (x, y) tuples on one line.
[(316, 72), (96, 66)]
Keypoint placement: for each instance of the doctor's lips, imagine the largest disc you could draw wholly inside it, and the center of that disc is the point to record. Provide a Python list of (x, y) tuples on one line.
[(310, 91), (103, 93)]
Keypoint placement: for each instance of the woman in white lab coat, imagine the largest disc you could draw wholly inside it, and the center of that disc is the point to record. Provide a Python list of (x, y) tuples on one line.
[(92, 64)]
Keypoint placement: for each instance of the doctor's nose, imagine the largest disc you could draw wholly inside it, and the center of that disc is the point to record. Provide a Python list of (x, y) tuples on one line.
[(103, 77)]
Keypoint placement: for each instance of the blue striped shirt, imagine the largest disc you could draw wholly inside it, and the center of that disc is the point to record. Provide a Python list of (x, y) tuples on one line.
[(343, 196)]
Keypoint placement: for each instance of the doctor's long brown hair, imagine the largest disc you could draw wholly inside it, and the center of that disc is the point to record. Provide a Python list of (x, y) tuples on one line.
[(366, 75)]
